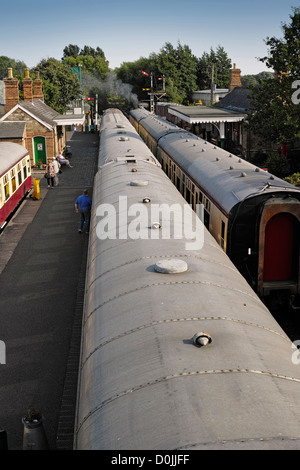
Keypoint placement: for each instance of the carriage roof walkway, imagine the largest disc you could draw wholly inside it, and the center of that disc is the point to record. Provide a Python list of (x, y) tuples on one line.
[(42, 274)]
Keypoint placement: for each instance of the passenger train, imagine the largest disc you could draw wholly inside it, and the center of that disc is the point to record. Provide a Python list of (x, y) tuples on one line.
[(253, 215), (15, 178), (178, 352)]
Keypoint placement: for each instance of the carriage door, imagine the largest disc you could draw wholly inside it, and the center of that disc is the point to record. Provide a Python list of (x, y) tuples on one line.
[(39, 144), (280, 252)]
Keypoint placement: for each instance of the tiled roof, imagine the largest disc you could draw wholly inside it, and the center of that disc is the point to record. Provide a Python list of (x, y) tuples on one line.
[(41, 110), (237, 100), (12, 129)]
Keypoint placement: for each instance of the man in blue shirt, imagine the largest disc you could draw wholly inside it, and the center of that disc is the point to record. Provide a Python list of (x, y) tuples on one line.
[(83, 205)]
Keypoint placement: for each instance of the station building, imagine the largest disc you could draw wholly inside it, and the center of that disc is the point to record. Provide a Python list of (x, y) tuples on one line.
[(31, 122)]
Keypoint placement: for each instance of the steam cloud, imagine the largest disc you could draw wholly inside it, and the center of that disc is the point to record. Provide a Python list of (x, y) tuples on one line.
[(112, 85)]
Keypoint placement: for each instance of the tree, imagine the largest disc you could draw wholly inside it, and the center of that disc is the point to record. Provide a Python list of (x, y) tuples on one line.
[(70, 51), (91, 60), (60, 85), (178, 65), (214, 65), (17, 66), (274, 114)]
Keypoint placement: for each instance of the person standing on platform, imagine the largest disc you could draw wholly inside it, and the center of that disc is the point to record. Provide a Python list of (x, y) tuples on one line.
[(50, 174), (57, 167), (83, 205)]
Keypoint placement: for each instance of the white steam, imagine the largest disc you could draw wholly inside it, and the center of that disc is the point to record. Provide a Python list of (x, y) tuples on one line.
[(111, 86)]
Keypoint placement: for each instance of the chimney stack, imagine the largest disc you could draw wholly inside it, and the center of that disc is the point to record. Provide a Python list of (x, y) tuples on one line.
[(27, 87), (38, 88), (235, 78), (11, 90)]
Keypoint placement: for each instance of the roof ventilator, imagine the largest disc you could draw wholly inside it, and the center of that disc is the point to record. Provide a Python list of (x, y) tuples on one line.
[(138, 183), (171, 266), (202, 339)]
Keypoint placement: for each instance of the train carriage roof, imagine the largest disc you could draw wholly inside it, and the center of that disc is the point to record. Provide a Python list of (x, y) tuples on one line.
[(10, 154), (228, 178)]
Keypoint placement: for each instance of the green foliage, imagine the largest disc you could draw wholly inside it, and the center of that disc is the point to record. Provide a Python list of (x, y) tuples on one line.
[(17, 66), (274, 115), (178, 65), (60, 85), (214, 65), (278, 166), (254, 80), (89, 59), (293, 179)]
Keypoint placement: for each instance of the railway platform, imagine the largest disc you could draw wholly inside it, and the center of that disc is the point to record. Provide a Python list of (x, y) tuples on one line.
[(42, 274)]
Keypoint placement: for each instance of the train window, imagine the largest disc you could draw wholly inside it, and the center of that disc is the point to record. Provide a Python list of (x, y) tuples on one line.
[(6, 187), (19, 175), (200, 198), (188, 196), (222, 233), (206, 219), (193, 188), (24, 172), (13, 180), (183, 178), (1, 197)]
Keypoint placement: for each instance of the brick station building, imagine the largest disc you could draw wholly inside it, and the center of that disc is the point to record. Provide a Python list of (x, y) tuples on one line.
[(45, 134)]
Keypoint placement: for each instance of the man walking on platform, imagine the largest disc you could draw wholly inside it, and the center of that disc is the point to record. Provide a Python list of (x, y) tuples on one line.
[(83, 205)]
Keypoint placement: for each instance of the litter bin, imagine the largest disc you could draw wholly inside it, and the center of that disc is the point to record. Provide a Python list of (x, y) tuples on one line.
[(36, 188)]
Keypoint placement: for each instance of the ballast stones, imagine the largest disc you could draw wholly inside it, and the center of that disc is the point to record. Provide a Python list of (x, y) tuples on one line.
[(171, 266)]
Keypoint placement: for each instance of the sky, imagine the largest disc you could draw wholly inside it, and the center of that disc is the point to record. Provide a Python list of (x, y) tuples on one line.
[(126, 30)]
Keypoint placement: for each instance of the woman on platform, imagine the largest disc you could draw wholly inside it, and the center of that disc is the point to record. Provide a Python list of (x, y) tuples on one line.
[(50, 174)]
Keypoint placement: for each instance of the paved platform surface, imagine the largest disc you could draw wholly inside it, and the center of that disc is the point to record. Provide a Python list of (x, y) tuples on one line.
[(42, 274)]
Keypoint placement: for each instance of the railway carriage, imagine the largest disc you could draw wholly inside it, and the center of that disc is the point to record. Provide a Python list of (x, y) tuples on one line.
[(15, 178), (178, 352), (253, 215)]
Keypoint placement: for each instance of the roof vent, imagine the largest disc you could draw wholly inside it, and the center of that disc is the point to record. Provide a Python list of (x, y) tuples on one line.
[(202, 339), (124, 138), (271, 177), (171, 266), (243, 174), (231, 167), (217, 159), (257, 170), (146, 200), (138, 183), (203, 150), (156, 225), (134, 170)]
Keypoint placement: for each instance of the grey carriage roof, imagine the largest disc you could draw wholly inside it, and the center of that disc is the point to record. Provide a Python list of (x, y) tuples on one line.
[(230, 179), (10, 154), (125, 138)]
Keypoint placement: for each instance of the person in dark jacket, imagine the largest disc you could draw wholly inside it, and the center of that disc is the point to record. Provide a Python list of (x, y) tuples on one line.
[(83, 205)]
